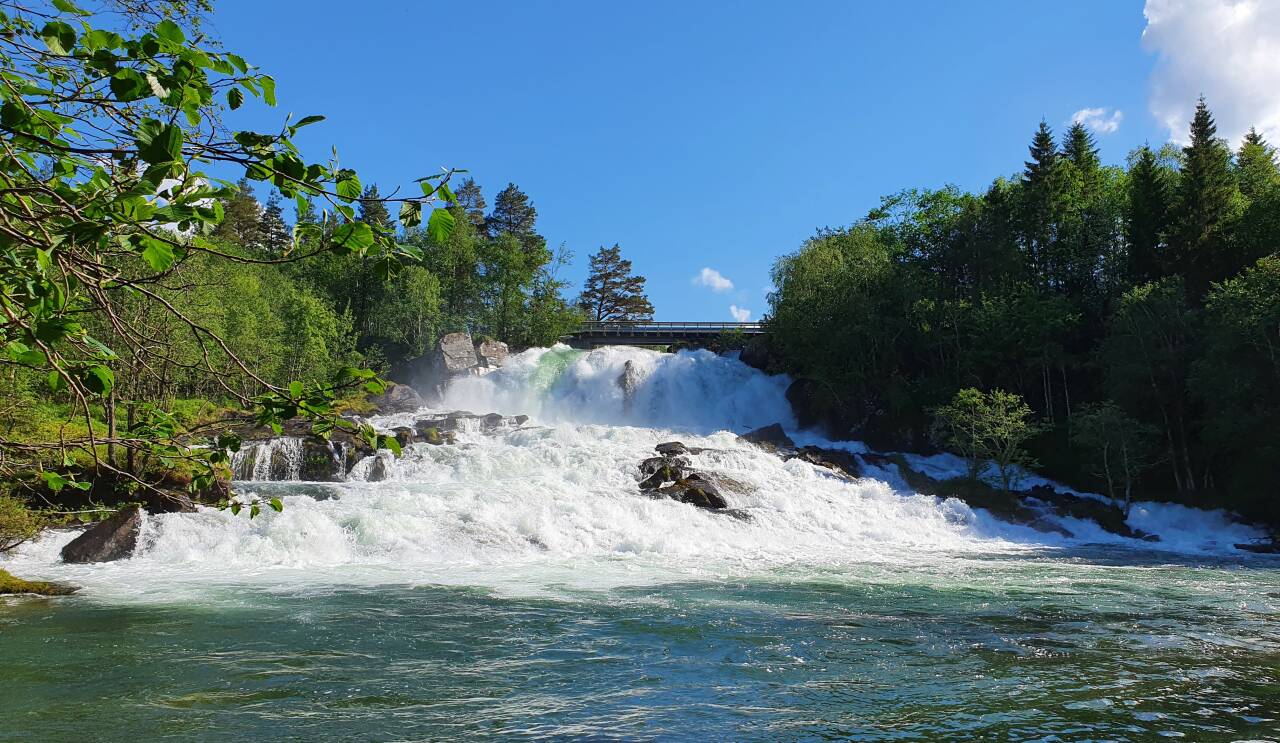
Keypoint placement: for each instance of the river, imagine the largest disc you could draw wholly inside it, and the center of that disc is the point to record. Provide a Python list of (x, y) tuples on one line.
[(517, 584)]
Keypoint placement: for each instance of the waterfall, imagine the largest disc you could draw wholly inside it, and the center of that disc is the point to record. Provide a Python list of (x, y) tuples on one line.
[(273, 459)]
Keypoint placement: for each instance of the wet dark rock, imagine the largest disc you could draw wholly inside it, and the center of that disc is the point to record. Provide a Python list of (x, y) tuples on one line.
[(112, 539), (668, 448), (658, 464), (377, 470), (320, 462), (404, 435), (695, 490), (772, 435), (836, 460), (757, 354)]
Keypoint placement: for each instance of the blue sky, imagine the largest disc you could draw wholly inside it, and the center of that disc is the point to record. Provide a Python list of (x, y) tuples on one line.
[(702, 135)]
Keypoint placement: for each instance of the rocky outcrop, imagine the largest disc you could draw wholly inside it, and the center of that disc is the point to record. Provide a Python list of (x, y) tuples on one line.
[(398, 398), (492, 354), (771, 436), (629, 381), (757, 354), (13, 586), (671, 475), (456, 354), (836, 460), (105, 541)]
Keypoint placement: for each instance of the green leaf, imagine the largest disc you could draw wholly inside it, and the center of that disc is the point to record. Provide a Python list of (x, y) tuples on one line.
[(353, 237), (55, 481), (235, 509), (347, 185), (164, 147), (56, 382), (59, 37), (411, 214), (276, 505), (169, 31), (98, 379), (254, 510), (268, 85), (158, 254), (440, 225), (235, 97), (295, 389), (66, 7), (127, 85)]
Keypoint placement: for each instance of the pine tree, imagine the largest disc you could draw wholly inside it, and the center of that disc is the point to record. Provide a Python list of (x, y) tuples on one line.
[(373, 211), (242, 221), (1146, 219), (1208, 200), (1256, 166), (276, 239), (1039, 188), (514, 214), (471, 202), (1081, 151), (611, 292)]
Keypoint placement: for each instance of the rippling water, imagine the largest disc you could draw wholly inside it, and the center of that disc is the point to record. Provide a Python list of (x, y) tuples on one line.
[(518, 585), (1082, 645)]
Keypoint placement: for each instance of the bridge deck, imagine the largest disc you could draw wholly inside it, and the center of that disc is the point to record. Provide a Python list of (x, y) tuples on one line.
[(623, 333)]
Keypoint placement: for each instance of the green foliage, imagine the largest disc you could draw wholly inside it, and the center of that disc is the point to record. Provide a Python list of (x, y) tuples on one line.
[(1120, 448), (990, 426), (1133, 309), (612, 292), (18, 523)]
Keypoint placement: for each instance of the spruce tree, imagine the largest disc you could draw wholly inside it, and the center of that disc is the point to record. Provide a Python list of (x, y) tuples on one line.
[(242, 220), (373, 211), (1039, 187), (1207, 200), (471, 202), (611, 292), (1256, 166), (1146, 219), (276, 239), (1080, 149)]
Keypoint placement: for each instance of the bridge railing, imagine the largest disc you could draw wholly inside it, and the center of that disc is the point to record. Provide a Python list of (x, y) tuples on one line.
[(642, 326)]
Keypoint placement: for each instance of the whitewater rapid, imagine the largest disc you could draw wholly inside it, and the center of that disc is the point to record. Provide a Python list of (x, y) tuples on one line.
[(555, 502)]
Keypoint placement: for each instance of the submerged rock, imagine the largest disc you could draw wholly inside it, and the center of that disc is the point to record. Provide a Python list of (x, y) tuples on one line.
[(772, 435), (696, 490), (105, 541), (14, 586), (836, 460)]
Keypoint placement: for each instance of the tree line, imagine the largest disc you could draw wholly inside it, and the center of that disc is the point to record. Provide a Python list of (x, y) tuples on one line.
[(1135, 309)]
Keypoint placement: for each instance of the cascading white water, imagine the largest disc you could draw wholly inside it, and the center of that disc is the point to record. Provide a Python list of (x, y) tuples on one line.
[(556, 502), (273, 459)]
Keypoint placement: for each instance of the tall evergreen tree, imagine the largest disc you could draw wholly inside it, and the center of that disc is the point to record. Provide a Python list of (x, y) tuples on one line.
[(611, 292), (242, 220), (276, 239), (1081, 151), (1256, 166), (373, 211), (1039, 197), (1207, 202), (1146, 218), (514, 214), (471, 202)]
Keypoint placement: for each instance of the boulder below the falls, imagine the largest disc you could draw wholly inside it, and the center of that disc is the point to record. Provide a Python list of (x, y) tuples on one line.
[(697, 490), (770, 436), (105, 541)]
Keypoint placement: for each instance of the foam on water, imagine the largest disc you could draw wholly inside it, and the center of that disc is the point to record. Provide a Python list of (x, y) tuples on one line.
[(555, 503)]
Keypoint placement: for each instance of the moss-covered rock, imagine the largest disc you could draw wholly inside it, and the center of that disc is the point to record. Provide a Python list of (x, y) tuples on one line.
[(12, 585)]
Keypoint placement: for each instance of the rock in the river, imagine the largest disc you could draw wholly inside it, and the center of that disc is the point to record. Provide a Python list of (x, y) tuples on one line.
[(671, 448), (493, 354), (319, 461), (377, 470), (771, 435), (399, 398), (629, 381), (696, 490), (833, 459), (113, 539)]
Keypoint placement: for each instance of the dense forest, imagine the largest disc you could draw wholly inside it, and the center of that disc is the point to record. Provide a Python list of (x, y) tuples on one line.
[(1135, 309)]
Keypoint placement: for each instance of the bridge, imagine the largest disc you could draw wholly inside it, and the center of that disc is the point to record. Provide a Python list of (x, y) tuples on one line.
[(648, 333)]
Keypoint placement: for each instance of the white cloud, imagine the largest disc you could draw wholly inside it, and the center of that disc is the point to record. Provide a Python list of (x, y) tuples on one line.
[(1227, 50), (740, 314), (1098, 120), (711, 278)]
